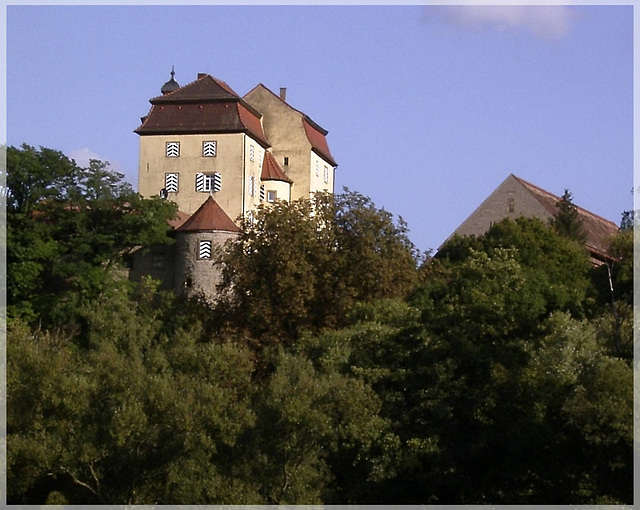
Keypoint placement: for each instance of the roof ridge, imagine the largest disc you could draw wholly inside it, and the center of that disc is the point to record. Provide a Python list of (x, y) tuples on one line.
[(558, 199)]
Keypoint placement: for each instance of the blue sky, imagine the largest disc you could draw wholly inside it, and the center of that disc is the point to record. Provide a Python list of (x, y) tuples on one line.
[(428, 108)]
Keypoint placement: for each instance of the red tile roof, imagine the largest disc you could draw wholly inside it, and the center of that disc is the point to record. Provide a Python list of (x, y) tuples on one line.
[(180, 218), (207, 105), (599, 230), (271, 171), (317, 140), (205, 88), (209, 216)]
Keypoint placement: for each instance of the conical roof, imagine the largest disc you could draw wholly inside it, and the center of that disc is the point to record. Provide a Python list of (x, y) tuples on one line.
[(271, 171), (209, 216)]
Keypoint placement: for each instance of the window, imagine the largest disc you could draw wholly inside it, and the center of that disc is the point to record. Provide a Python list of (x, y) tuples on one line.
[(173, 149), (209, 149), (208, 182), (252, 185), (252, 153), (272, 195), (317, 169), (286, 161), (261, 192), (326, 174), (511, 205), (171, 182), (158, 261), (204, 250)]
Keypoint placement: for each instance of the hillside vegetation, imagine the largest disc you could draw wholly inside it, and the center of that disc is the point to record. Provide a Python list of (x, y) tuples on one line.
[(341, 367)]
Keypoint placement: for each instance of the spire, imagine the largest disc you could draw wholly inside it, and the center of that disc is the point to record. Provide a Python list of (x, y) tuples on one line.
[(171, 85)]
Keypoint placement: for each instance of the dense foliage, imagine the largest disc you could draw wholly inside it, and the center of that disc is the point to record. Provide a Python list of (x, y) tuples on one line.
[(339, 368)]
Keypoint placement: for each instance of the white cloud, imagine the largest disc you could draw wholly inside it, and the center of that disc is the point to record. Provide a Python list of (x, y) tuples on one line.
[(548, 21), (84, 155)]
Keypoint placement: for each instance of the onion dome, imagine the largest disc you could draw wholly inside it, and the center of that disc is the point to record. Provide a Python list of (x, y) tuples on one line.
[(171, 85)]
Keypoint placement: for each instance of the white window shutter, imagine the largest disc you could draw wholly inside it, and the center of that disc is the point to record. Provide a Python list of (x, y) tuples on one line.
[(204, 250), (217, 181), (173, 149), (171, 182), (209, 148), (200, 178)]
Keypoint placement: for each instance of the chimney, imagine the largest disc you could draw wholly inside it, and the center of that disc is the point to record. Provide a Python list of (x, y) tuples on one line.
[(201, 75), (283, 93)]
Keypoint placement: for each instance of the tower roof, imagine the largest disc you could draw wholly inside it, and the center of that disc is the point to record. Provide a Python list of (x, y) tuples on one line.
[(209, 216), (171, 85), (207, 105), (271, 171)]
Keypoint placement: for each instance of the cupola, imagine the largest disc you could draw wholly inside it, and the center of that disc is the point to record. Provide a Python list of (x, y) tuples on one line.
[(171, 85)]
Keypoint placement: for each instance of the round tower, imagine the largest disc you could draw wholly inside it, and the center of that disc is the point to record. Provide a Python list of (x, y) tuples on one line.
[(198, 241)]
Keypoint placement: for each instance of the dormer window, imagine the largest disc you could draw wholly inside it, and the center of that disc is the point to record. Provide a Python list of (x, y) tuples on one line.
[(173, 149), (209, 149)]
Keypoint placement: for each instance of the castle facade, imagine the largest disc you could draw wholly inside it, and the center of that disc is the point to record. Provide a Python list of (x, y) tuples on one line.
[(219, 156)]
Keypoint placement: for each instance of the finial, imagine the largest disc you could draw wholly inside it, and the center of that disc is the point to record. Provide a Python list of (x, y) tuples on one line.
[(171, 85)]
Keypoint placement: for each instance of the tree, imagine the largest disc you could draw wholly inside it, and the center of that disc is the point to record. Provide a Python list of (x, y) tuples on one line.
[(304, 264), (567, 221), (555, 268), (69, 228), (126, 412)]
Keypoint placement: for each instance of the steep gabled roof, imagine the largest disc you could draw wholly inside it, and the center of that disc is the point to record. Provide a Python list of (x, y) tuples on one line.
[(209, 216), (314, 132), (271, 171), (207, 105), (598, 229)]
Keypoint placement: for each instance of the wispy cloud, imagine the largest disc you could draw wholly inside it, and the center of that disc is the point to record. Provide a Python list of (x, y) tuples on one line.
[(84, 155), (547, 21)]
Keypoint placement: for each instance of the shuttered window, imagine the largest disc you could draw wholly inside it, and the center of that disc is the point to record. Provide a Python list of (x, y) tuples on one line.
[(252, 185), (261, 192), (252, 153), (204, 249), (171, 182), (173, 149), (208, 182), (326, 174), (209, 149)]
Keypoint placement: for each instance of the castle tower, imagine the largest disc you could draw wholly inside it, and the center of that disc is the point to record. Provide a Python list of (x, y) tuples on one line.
[(199, 139), (205, 232), (209, 150)]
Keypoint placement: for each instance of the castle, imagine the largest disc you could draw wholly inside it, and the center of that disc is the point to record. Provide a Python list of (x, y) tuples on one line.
[(218, 156)]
